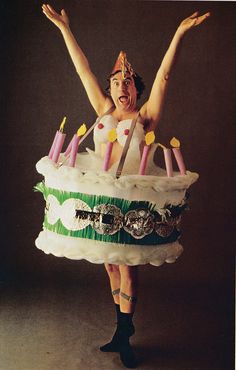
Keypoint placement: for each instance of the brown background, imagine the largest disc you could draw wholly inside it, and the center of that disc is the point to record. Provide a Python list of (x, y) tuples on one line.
[(39, 86)]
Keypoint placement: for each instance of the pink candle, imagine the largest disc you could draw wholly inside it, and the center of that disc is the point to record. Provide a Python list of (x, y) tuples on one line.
[(168, 162), (53, 145), (74, 150), (143, 162), (111, 138), (149, 139), (58, 146), (107, 156), (179, 160), (178, 155), (68, 149)]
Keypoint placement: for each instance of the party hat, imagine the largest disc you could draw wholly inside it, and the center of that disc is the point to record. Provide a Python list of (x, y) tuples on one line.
[(122, 65)]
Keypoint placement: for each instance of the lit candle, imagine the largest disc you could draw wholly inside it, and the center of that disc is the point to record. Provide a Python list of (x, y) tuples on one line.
[(57, 143), (55, 139), (111, 138), (68, 149), (149, 139), (75, 144), (168, 160), (178, 155), (82, 132)]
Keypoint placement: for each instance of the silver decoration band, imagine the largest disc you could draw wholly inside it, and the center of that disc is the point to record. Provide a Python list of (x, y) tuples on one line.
[(139, 223), (107, 219), (108, 225)]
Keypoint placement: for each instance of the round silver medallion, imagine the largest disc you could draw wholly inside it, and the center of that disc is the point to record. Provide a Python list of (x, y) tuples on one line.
[(109, 219), (139, 223), (163, 229)]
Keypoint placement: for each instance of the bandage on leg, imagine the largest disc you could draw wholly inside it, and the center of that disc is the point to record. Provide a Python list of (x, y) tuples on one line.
[(128, 298), (116, 291)]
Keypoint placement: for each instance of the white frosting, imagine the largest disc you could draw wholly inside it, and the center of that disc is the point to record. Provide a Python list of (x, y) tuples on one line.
[(53, 214), (155, 189), (67, 211), (100, 252)]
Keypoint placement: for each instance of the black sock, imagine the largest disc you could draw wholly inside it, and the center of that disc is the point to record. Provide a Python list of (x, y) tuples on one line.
[(127, 329), (126, 318), (114, 344), (117, 306)]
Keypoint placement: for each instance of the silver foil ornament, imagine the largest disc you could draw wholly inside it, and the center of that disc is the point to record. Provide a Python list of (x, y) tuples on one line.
[(139, 223), (109, 220)]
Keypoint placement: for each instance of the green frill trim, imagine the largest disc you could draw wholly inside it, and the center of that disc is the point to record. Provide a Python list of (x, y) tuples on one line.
[(92, 200), (121, 236)]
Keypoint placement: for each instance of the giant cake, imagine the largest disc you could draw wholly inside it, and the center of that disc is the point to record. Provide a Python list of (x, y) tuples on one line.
[(94, 215)]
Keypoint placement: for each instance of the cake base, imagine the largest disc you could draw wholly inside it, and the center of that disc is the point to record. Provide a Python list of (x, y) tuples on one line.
[(113, 253)]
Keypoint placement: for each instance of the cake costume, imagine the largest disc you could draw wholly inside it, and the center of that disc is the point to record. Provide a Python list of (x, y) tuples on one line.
[(105, 218), (113, 205), (126, 213)]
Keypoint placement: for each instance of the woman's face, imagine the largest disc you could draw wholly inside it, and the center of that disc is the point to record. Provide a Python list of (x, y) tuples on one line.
[(123, 92)]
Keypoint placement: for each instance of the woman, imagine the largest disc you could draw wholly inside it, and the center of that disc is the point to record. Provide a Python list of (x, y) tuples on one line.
[(122, 103)]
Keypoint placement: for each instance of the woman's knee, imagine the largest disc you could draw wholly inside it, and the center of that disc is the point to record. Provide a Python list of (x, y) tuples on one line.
[(112, 269)]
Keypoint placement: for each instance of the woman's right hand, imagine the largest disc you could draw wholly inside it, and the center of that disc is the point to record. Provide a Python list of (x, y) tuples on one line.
[(60, 20)]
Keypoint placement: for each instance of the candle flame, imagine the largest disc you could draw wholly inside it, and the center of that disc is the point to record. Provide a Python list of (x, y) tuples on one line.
[(82, 129), (162, 146), (112, 135), (62, 124), (175, 142), (149, 137)]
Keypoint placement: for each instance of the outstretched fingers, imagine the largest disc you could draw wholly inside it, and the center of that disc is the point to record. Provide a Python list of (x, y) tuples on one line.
[(202, 18), (47, 14), (51, 9), (194, 15), (47, 11)]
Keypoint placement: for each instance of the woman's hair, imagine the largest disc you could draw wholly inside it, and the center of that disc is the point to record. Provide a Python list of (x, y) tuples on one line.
[(138, 81)]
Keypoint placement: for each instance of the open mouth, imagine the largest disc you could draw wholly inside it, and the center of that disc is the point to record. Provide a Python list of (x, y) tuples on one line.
[(123, 99)]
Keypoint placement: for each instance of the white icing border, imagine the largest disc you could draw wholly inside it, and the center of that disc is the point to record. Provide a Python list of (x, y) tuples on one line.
[(155, 189), (101, 252)]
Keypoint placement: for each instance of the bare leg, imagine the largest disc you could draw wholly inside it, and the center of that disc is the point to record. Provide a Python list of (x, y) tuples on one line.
[(114, 276), (128, 288)]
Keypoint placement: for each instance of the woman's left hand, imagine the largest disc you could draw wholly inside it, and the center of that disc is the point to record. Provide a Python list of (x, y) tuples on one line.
[(192, 21)]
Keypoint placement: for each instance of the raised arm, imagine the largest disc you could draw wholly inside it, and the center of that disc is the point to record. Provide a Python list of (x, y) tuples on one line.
[(153, 107), (96, 96)]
